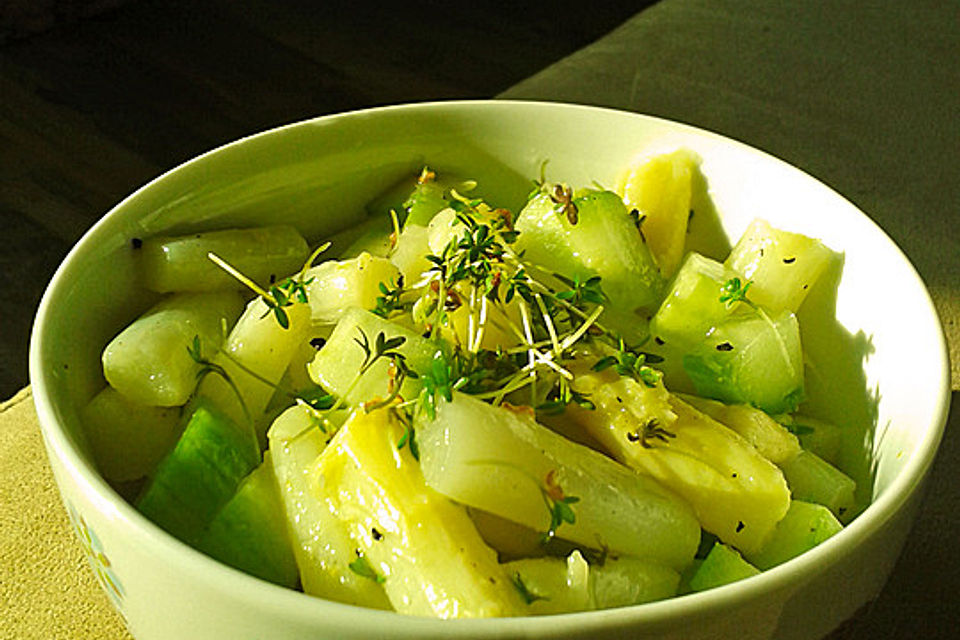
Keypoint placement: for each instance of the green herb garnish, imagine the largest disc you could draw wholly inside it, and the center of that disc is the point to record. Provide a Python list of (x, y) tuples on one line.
[(528, 596), (362, 568)]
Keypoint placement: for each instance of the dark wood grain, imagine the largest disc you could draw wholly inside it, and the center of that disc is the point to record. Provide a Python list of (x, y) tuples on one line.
[(96, 100)]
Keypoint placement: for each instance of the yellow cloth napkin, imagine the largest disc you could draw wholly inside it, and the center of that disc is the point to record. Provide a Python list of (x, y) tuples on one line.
[(47, 589)]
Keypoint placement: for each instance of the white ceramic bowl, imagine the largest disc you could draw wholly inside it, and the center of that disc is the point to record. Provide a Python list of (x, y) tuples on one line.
[(887, 368)]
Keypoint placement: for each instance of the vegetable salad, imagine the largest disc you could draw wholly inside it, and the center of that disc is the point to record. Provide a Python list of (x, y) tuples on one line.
[(462, 410)]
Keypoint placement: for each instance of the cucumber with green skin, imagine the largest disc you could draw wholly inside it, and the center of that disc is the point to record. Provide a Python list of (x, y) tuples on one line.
[(249, 533), (753, 358), (597, 238), (813, 479), (722, 565), (200, 474), (692, 305), (803, 527)]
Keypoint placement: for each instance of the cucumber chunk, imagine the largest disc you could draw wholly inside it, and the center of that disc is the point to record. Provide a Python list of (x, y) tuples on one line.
[(371, 236), (553, 585), (200, 474), (624, 581), (128, 439), (149, 362), (813, 479), (180, 263), (723, 565), (429, 197), (337, 365), (803, 527), (604, 242), (563, 585), (410, 253), (336, 286), (782, 266), (692, 306), (255, 357), (416, 199), (817, 436), (249, 533), (750, 358)]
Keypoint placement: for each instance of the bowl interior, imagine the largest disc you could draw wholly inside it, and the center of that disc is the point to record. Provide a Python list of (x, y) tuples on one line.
[(868, 324)]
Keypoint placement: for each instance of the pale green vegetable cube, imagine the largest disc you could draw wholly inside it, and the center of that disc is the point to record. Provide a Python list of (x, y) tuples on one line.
[(813, 479), (692, 306), (371, 235), (249, 532), (553, 585), (562, 585), (254, 357), (626, 580), (420, 545), (751, 358), (782, 266), (504, 462), (128, 439), (200, 474), (337, 365), (410, 253), (150, 363), (722, 565), (181, 263), (803, 527), (601, 239), (321, 544), (336, 286), (822, 438)]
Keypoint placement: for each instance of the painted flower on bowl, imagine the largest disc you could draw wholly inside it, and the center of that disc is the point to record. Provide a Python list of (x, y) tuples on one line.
[(97, 557)]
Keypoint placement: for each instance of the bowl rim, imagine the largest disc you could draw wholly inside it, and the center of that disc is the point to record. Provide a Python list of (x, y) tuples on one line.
[(197, 566)]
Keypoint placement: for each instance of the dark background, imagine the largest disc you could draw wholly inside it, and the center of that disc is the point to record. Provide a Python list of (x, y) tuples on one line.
[(98, 97)]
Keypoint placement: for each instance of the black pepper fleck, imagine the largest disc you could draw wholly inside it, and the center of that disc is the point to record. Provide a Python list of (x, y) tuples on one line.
[(740, 526), (658, 340), (724, 346), (136, 243), (789, 260), (317, 343), (376, 534)]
